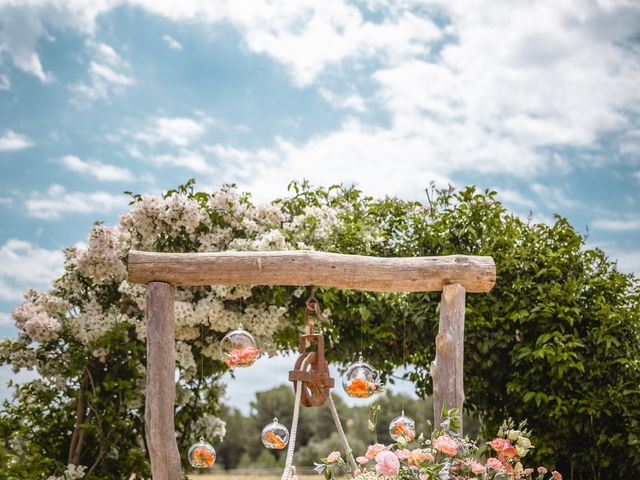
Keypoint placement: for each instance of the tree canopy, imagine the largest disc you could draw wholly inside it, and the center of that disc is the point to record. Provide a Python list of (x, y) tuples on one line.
[(555, 342)]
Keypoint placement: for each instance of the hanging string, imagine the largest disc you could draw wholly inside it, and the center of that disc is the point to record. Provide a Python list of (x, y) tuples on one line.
[(201, 352), (361, 335), (404, 351)]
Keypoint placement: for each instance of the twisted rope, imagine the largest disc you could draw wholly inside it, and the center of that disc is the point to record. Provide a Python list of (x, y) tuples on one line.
[(343, 437), (288, 469)]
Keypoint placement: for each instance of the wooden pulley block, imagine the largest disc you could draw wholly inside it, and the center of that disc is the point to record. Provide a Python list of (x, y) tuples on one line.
[(312, 370)]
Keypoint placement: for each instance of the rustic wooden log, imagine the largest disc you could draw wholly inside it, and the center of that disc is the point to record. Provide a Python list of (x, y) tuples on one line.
[(357, 272), (160, 386), (448, 368)]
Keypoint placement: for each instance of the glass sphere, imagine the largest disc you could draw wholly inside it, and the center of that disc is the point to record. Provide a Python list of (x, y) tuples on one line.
[(361, 380), (275, 435), (239, 349), (402, 428), (202, 454)]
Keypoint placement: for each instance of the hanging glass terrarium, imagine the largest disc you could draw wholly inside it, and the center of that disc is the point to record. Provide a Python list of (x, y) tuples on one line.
[(202, 455), (361, 380), (275, 435), (239, 349), (402, 428)]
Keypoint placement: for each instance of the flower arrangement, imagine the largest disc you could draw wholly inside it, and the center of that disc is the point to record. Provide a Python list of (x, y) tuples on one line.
[(443, 456), (361, 388), (242, 356), (203, 457), (275, 441)]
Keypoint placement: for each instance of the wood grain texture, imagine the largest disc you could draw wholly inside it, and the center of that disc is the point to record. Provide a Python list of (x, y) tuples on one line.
[(447, 371), (299, 267), (161, 388)]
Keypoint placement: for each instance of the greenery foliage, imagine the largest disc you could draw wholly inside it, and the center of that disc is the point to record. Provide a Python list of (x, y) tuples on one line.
[(555, 342)]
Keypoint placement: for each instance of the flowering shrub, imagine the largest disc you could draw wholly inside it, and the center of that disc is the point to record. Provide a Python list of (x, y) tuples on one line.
[(442, 457)]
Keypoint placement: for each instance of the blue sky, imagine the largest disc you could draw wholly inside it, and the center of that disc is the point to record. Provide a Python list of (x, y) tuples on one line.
[(538, 100)]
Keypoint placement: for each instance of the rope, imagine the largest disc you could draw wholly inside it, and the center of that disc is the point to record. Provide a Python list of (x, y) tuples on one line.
[(288, 468), (343, 437)]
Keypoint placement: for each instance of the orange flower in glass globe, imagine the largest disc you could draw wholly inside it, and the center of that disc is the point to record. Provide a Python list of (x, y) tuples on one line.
[(361, 380), (202, 455), (275, 435), (239, 349)]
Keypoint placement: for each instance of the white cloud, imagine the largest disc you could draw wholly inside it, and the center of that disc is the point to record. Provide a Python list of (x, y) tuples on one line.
[(553, 197), (377, 160), (352, 100), (5, 82), (613, 225), (24, 265), (514, 197), (5, 319), (179, 131), (98, 170), (6, 200), (171, 42), (107, 75), (12, 141), (628, 260), (185, 159), (56, 201)]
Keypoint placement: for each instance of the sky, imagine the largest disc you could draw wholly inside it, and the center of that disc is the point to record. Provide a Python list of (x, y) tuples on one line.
[(539, 100)]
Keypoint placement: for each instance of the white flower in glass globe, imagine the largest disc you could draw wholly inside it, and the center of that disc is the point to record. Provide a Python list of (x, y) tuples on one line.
[(402, 428), (361, 380), (238, 349), (202, 455), (275, 435)]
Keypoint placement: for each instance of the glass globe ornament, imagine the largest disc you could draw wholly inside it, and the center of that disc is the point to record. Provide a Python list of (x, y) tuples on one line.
[(275, 435), (202, 455), (361, 380), (239, 349), (402, 428)]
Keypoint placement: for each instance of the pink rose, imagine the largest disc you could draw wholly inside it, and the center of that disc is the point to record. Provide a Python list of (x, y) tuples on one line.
[(446, 445), (494, 463), (362, 460), (403, 454), (475, 466), (556, 475), (527, 471), (357, 471), (374, 450), (542, 470), (387, 464), (333, 457)]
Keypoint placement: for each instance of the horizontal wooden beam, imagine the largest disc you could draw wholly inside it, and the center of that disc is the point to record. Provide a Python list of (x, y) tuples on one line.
[(301, 267)]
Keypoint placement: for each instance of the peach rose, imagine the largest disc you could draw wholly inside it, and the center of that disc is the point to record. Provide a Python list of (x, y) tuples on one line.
[(418, 456), (362, 460), (556, 475), (374, 450), (403, 454), (446, 445)]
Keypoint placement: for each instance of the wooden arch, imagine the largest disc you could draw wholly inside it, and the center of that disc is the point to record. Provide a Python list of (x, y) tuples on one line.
[(452, 275)]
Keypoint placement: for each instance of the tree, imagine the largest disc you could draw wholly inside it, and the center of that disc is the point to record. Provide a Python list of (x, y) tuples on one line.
[(556, 341)]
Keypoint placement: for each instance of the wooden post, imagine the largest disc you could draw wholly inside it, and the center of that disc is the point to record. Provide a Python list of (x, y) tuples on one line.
[(161, 390), (448, 368)]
